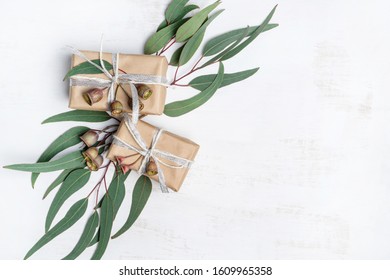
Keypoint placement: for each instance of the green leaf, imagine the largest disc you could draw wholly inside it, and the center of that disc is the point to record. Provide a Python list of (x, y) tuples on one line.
[(255, 34), (174, 10), (184, 12), (193, 44), (68, 139), (72, 160), (79, 116), (191, 26), (58, 181), (123, 177), (95, 239), (219, 43), (88, 68), (158, 40), (106, 221), (162, 25), (72, 216), (203, 82), (74, 182), (141, 193), (179, 108), (176, 56), (117, 191), (223, 53), (85, 238)]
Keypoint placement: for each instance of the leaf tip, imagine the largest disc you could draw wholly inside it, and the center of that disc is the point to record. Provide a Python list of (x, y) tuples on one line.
[(11, 167)]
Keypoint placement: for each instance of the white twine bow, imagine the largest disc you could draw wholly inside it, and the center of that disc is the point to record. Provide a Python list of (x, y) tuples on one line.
[(116, 78), (151, 153)]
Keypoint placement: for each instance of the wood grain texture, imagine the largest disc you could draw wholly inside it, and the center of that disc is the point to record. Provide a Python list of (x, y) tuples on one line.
[(305, 175)]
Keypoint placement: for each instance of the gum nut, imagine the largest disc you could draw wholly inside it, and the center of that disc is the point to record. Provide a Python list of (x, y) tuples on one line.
[(141, 105), (144, 91), (90, 138), (116, 108), (93, 96), (91, 154), (151, 169), (98, 161), (92, 166)]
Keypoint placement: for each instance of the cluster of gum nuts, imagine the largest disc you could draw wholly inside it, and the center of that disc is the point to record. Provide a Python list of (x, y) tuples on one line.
[(95, 95), (91, 156)]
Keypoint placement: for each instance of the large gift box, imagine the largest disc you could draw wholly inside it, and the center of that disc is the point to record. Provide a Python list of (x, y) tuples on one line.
[(173, 153), (129, 64)]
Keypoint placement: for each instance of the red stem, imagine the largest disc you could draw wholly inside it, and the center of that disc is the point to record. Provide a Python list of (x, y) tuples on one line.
[(168, 45), (178, 85), (101, 180), (193, 70), (176, 72)]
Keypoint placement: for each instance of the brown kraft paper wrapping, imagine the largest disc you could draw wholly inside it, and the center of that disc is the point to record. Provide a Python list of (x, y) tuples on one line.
[(168, 142), (131, 64)]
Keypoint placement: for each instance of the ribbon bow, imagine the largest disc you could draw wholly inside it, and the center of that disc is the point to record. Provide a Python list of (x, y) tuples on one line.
[(151, 153), (116, 78)]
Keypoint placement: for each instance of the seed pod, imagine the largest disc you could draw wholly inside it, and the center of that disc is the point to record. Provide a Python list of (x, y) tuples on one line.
[(141, 105), (90, 138), (151, 169), (98, 161), (144, 91), (93, 96), (90, 154), (116, 108)]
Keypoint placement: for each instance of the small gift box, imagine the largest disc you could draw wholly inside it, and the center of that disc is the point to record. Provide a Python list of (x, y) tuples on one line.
[(126, 72), (161, 155)]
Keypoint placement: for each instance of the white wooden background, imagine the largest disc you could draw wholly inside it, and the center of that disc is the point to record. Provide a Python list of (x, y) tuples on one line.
[(294, 162)]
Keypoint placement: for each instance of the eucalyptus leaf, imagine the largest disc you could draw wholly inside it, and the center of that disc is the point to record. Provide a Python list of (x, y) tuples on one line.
[(176, 56), (221, 42), (58, 181), (203, 82), (121, 180), (116, 192), (106, 221), (72, 216), (158, 40), (95, 239), (255, 34), (174, 10), (85, 238), (68, 139), (88, 68), (185, 11), (179, 108), (196, 40), (141, 193), (191, 26), (72, 160), (79, 116), (74, 182), (220, 56)]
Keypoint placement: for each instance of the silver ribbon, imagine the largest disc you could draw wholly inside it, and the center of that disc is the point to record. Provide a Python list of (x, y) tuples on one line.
[(116, 78), (151, 153)]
